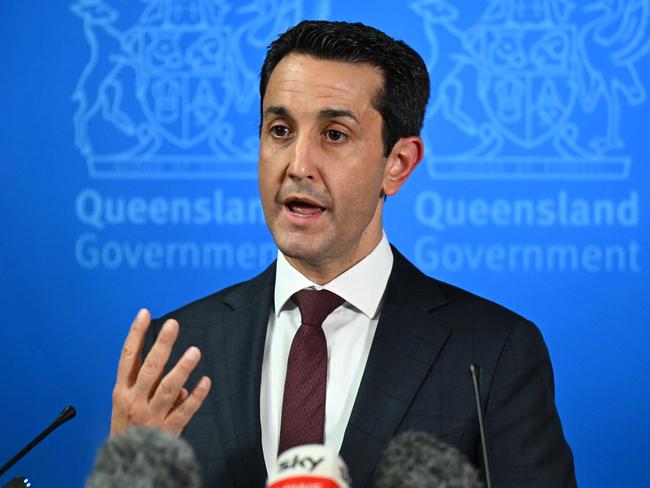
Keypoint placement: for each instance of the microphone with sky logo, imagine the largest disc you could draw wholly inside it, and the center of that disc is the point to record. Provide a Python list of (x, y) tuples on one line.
[(309, 466)]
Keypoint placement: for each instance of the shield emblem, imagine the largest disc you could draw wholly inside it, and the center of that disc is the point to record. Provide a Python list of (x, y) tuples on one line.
[(183, 92), (526, 74)]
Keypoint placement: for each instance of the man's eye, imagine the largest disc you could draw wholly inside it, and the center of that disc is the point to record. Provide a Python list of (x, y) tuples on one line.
[(279, 131), (335, 135)]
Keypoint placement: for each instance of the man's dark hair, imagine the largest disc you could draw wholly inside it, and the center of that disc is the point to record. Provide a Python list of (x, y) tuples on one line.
[(405, 92)]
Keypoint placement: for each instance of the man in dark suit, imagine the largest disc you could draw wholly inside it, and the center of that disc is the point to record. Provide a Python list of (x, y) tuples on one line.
[(342, 107)]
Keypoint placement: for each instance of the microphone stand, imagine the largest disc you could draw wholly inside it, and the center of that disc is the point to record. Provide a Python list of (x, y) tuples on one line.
[(67, 413), (473, 369)]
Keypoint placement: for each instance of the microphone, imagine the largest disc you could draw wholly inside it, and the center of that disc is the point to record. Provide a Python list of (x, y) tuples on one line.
[(145, 458), (309, 466), (18, 482), (66, 414), (419, 460), (474, 371)]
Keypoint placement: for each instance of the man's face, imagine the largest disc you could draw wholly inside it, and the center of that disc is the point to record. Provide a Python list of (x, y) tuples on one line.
[(321, 167)]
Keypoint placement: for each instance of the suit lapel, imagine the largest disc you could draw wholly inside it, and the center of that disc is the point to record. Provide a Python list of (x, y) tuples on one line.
[(405, 346), (240, 351)]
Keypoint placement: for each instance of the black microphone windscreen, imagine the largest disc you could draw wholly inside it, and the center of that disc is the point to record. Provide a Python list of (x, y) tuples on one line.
[(145, 458), (419, 460)]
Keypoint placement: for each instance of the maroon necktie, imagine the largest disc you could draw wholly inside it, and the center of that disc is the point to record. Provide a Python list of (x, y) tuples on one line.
[(303, 405)]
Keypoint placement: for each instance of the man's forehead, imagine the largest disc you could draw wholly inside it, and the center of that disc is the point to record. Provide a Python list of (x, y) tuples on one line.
[(323, 77), (302, 60), (324, 88)]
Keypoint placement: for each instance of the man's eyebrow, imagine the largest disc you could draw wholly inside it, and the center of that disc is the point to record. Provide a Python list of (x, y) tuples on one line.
[(326, 113), (332, 113), (276, 110)]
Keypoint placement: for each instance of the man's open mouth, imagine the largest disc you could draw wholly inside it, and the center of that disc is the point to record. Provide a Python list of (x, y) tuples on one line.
[(303, 208)]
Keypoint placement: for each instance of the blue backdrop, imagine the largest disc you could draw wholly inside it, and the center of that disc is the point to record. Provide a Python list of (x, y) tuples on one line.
[(129, 148)]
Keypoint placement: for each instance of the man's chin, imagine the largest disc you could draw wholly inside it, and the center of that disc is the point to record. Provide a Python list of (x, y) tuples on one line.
[(300, 253)]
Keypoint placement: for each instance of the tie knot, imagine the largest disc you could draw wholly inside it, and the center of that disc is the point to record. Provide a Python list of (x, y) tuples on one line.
[(316, 305)]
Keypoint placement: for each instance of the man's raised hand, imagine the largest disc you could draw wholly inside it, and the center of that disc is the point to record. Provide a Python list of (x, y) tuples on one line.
[(142, 396)]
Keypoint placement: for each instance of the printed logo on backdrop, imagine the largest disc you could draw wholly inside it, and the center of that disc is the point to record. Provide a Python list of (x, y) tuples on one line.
[(170, 88), (532, 90), (519, 87)]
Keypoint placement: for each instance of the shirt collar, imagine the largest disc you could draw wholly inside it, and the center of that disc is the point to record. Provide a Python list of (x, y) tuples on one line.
[(362, 286)]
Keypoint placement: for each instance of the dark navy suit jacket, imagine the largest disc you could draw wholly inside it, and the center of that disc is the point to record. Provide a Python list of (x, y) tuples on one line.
[(416, 378)]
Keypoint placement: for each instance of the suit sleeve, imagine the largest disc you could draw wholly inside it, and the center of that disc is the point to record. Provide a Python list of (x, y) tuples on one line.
[(526, 442)]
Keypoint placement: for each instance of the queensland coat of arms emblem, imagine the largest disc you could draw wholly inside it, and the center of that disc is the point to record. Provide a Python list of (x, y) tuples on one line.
[(170, 86), (533, 89)]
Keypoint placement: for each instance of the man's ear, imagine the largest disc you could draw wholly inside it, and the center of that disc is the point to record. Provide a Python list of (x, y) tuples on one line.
[(402, 160)]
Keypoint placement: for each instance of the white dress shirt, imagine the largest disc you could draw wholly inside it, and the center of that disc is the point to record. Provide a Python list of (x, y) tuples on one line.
[(349, 331)]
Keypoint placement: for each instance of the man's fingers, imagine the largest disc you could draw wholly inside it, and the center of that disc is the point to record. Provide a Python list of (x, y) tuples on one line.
[(153, 364), (182, 413), (170, 386), (181, 396), (129, 365), (142, 395)]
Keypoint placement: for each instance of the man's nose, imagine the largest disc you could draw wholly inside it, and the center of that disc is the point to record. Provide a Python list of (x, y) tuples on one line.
[(303, 164)]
